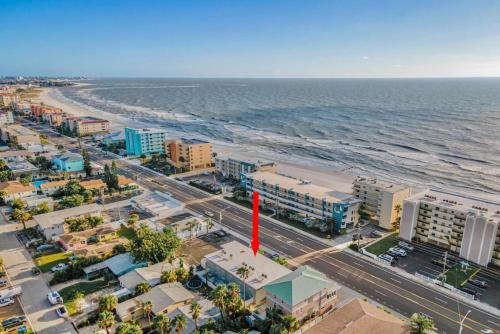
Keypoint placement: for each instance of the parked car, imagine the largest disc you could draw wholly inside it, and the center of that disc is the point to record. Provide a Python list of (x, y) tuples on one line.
[(398, 250), (406, 246), (3, 282), (13, 321), (387, 258), (393, 254), (208, 213), (62, 312), (34, 242), (469, 291), (59, 267), (6, 302), (54, 298), (376, 234), (3, 273), (46, 247), (355, 237), (478, 283), (35, 271), (439, 262)]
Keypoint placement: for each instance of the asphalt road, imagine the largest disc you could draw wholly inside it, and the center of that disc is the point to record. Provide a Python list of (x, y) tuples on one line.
[(383, 285)]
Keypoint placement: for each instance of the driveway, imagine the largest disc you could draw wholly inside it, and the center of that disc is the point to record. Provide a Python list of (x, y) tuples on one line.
[(18, 264)]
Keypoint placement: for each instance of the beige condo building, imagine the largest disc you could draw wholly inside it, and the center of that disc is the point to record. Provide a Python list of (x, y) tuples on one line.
[(191, 154), (382, 200)]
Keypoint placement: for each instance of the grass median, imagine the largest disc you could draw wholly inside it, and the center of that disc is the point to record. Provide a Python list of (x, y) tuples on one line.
[(383, 245)]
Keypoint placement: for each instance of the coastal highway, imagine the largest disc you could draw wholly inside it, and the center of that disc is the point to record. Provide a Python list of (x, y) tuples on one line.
[(400, 294)]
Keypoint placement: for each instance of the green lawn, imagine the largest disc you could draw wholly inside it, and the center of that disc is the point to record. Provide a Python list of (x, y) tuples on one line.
[(383, 245), (46, 262), (457, 277), (126, 232), (84, 287)]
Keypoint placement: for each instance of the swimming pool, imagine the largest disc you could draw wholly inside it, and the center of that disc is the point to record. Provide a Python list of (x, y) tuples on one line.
[(38, 183)]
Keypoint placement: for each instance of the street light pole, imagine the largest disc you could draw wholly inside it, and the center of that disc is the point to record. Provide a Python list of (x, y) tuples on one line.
[(462, 322), (220, 214)]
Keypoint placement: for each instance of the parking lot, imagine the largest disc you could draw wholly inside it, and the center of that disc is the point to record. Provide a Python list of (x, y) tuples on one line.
[(421, 259)]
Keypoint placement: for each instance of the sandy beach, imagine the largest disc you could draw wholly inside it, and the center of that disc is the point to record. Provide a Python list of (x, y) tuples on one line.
[(320, 175)]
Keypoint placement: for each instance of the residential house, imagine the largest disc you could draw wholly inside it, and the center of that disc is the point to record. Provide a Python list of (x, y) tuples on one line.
[(209, 312), (52, 224), (21, 168), (360, 317), (302, 293), (223, 264), (19, 135), (117, 265), (165, 298), (68, 162), (49, 188), (15, 189), (150, 275), (6, 117), (94, 242)]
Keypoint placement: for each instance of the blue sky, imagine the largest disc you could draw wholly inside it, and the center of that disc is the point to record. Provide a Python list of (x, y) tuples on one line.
[(251, 38)]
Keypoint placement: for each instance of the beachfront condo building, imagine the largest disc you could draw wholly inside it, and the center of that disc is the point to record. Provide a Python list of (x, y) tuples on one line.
[(19, 135), (6, 99), (87, 126), (38, 110), (190, 154), (144, 141), (465, 225), (382, 201), (6, 117), (303, 198), (232, 167)]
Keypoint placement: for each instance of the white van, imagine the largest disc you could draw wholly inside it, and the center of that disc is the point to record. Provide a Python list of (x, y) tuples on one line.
[(406, 246), (399, 251)]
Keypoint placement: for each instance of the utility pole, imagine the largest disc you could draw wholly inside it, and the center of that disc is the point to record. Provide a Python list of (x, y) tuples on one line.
[(444, 267), (359, 233)]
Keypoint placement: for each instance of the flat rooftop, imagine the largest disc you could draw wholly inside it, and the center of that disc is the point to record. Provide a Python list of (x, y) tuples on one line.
[(157, 202), (258, 162), (19, 130), (381, 184), (193, 141), (234, 254), (21, 166), (50, 219), (301, 186), (147, 130), (460, 202)]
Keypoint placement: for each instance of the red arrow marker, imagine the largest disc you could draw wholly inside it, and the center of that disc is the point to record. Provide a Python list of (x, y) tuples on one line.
[(255, 236)]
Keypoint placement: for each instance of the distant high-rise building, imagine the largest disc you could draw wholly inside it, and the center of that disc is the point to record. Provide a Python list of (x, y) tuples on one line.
[(144, 141)]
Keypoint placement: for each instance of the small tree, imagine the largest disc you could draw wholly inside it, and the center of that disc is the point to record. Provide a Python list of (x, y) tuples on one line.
[(180, 322), (78, 299), (195, 311), (108, 303), (244, 272), (291, 324), (21, 217), (87, 166), (147, 307), (106, 320), (210, 224), (168, 276), (128, 328), (42, 208), (133, 219), (162, 323), (18, 203), (142, 288), (421, 324)]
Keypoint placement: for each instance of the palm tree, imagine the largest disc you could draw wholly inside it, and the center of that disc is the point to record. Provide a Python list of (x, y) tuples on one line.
[(147, 307), (421, 324), (21, 217), (218, 297), (133, 219), (168, 276), (244, 272), (78, 299), (195, 312), (291, 324), (108, 303), (180, 321), (210, 224), (142, 288), (397, 221), (106, 320), (163, 323), (191, 224), (128, 328)]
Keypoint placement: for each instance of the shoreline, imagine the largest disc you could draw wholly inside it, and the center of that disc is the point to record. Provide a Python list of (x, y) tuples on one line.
[(323, 175)]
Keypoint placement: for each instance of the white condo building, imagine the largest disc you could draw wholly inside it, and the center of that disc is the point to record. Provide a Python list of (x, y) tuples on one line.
[(462, 224), (382, 200)]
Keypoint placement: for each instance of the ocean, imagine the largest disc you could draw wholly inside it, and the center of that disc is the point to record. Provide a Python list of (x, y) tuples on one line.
[(442, 133)]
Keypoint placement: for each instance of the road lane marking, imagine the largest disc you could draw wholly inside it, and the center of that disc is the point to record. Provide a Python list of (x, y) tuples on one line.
[(395, 280), (494, 323), (380, 293), (441, 300)]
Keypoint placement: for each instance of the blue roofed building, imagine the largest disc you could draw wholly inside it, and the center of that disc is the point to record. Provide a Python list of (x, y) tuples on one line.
[(303, 293), (68, 162)]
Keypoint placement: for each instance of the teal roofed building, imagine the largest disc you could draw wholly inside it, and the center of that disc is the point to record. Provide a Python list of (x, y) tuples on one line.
[(303, 293), (68, 162)]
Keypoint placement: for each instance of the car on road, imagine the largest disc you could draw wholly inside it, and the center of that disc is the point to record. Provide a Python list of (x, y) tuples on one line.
[(478, 283), (3, 282), (59, 267), (487, 331), (54, 298), (6, 302), (406, 246), (13, 321), (208, 213), (62, 312)]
